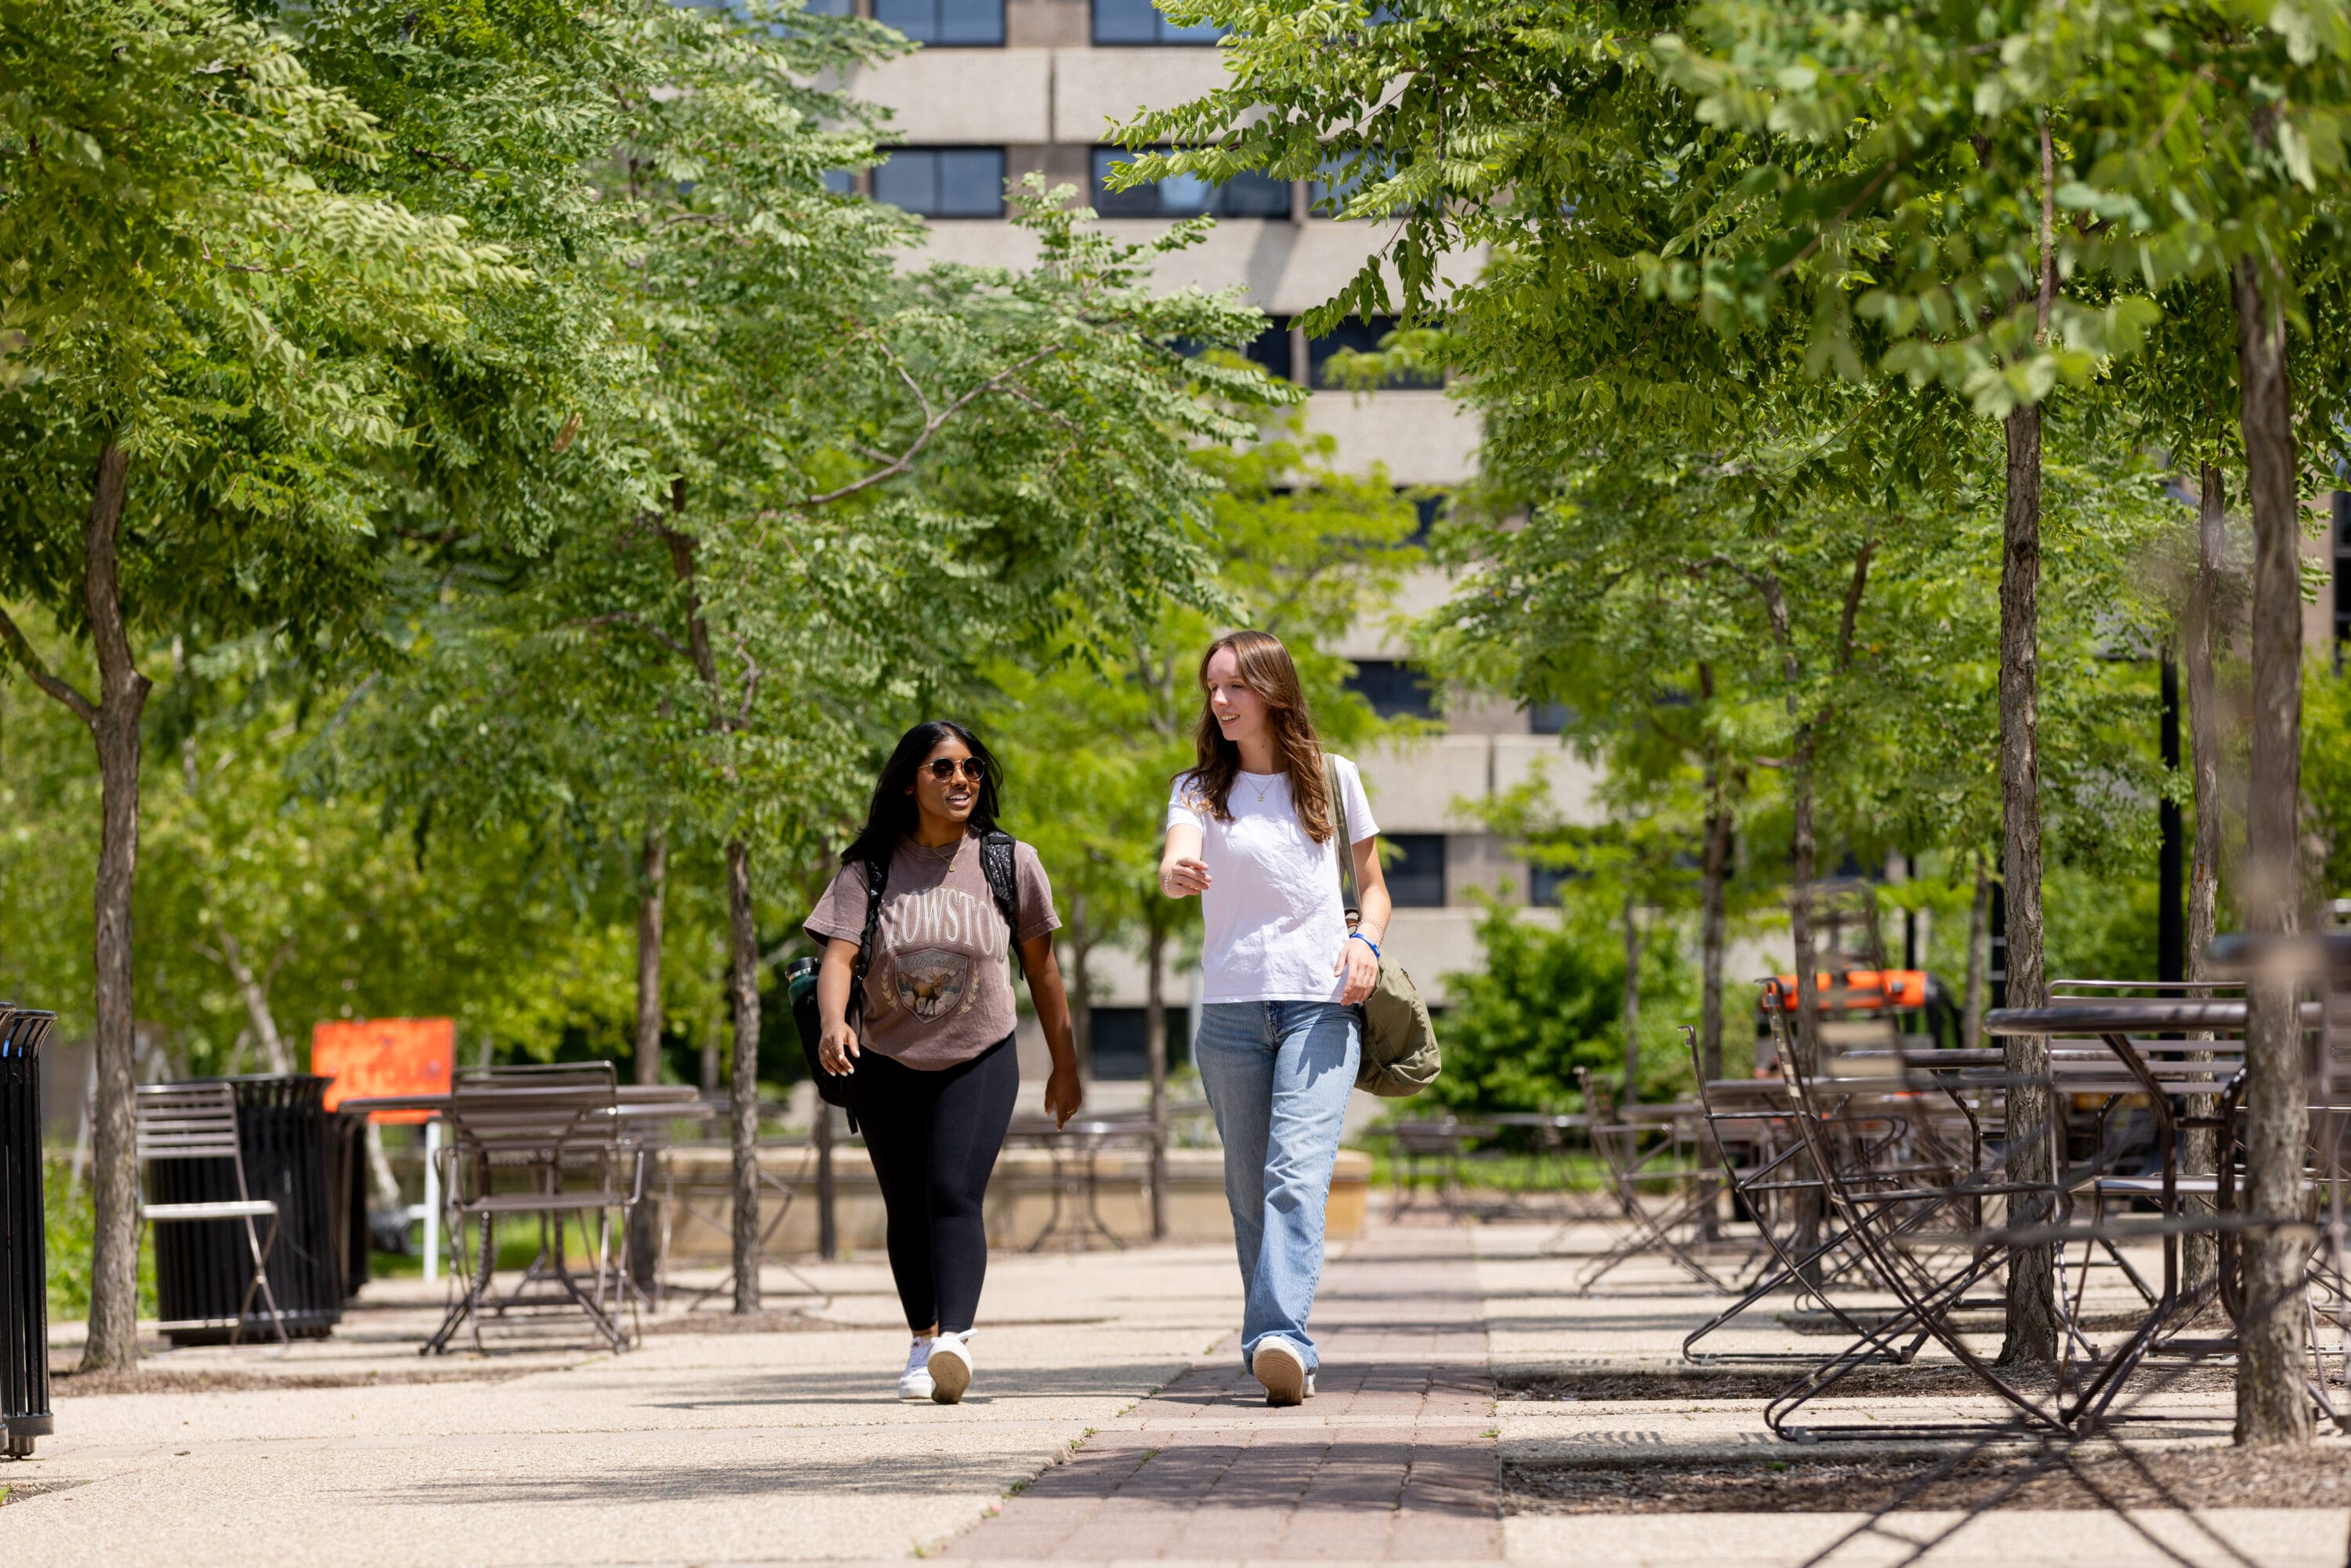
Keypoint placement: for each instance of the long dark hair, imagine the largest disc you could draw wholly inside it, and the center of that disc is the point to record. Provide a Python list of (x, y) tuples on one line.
[(1266, 669), (894, 815)]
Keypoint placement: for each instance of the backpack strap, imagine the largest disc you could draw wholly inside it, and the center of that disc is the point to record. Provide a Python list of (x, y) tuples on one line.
[(1350, 899), (877, 881), (997, 849), (996, 862)]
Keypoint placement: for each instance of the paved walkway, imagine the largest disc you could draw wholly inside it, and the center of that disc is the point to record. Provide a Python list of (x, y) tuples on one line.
[(1394, 1458), (1111, 1422)]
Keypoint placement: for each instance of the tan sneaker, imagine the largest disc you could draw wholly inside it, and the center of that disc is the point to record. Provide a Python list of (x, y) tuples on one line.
[(1282, 1371), (950, 1367)]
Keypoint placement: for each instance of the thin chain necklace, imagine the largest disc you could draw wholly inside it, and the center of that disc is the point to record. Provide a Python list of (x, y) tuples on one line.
[(1272, 780), (945, 852)]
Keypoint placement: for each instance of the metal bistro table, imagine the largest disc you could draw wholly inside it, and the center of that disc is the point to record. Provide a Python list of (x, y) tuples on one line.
[(1076, 1152), (642, 1108), (2128, 1061), (1550, 1137)]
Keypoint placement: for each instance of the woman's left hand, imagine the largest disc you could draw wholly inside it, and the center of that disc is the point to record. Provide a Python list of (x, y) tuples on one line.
[(1362, 967), (1064, 1094)]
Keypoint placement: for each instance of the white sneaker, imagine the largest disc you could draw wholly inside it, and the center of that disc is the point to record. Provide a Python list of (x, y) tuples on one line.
[(1282, 1370), (915, 1382), (950, 1367)]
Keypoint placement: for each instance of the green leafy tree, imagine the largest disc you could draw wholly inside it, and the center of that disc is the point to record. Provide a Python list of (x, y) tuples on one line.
[(204, 351)]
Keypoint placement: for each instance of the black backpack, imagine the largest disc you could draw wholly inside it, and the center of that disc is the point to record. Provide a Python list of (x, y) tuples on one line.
[(995, 848)]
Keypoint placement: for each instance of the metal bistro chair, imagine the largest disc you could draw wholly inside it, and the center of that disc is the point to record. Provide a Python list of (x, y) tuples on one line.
[(1771, 1177), (1649, 1144), (548, 1143), (198, 1121), (1443, 1144)]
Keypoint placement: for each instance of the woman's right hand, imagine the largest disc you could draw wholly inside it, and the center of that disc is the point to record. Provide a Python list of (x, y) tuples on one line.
[(836, 1049), (1183, 876)]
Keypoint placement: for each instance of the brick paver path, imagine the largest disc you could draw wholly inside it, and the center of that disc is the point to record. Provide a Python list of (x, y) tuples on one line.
[(1393, 1460)]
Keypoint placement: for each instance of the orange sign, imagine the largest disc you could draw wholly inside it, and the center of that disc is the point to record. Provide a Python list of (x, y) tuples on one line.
[(1861, 989), (368, 1057)]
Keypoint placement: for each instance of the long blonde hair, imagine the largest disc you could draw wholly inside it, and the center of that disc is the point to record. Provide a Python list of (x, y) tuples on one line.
[(1266, 669)]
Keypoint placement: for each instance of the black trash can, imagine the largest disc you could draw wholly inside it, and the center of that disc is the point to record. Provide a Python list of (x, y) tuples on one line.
[(24, 1255), (202, 1266), (347, 1178)]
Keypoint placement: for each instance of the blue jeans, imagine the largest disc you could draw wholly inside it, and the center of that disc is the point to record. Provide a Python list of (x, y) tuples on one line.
[(1277, 1076)]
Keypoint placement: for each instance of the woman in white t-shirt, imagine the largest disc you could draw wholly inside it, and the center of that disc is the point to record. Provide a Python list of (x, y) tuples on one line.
[(1251, 829)]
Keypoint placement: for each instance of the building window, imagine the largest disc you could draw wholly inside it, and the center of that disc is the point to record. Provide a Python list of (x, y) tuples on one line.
[(943, 182), (1270, 350), (1141, 22), (1415, 876), (1394, 688), (2342, 568), (1548, 718), (1359, 336), (949, 24), (1121, 1049), (1245, 195), (1546, 883), (841, 181), (1425, 510)]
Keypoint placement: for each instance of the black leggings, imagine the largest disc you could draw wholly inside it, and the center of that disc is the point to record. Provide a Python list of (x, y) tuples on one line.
[(933, 1137)]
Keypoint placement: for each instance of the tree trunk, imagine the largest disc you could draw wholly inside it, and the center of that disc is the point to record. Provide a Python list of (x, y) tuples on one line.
[(1632, 1014), (380, 1181), (1714, 874), (1711, 940), (254, 991), (742, 978), (1082, 994), (2200, 1147), (743, 940), (1154, 1046), (1979, 933), (2033, 1326), (113, 1343), (1804, 846), (652, 866), (2272, 1406)]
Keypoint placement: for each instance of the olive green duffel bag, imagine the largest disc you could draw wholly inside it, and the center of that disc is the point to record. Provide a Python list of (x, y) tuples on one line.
[(1400, 1055)]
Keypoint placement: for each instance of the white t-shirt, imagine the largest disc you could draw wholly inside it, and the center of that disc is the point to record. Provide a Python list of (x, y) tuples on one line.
[(1273, 916)]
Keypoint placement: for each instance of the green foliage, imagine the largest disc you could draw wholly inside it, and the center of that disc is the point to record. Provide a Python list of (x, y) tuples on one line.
[(2326, 777), (332, 916), (183, 284), (1301, 550), (1551, 1000), (67, 1224)]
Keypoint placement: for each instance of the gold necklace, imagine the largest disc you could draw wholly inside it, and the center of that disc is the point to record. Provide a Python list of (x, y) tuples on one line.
[(945, 852), (1271, 781)]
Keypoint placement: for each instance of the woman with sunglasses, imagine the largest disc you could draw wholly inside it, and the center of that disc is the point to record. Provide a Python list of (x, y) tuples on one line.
[(1252, 829), (935, 1074)]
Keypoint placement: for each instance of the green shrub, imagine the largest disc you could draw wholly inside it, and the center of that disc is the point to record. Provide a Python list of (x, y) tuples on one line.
[(69, 1219), (1548, 1001)]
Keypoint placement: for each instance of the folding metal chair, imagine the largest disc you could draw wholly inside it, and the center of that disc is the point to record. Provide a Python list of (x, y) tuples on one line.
[(1647, 1143), (198, 1121)]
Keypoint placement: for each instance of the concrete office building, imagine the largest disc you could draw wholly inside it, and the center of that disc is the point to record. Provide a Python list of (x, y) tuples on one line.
[(1005, 86)]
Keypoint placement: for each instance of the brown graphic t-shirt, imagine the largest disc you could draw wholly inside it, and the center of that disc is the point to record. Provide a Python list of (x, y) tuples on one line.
[(938, 985)]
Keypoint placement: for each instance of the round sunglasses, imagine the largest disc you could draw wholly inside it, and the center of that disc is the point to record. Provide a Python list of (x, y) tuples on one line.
[(945, 768)]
